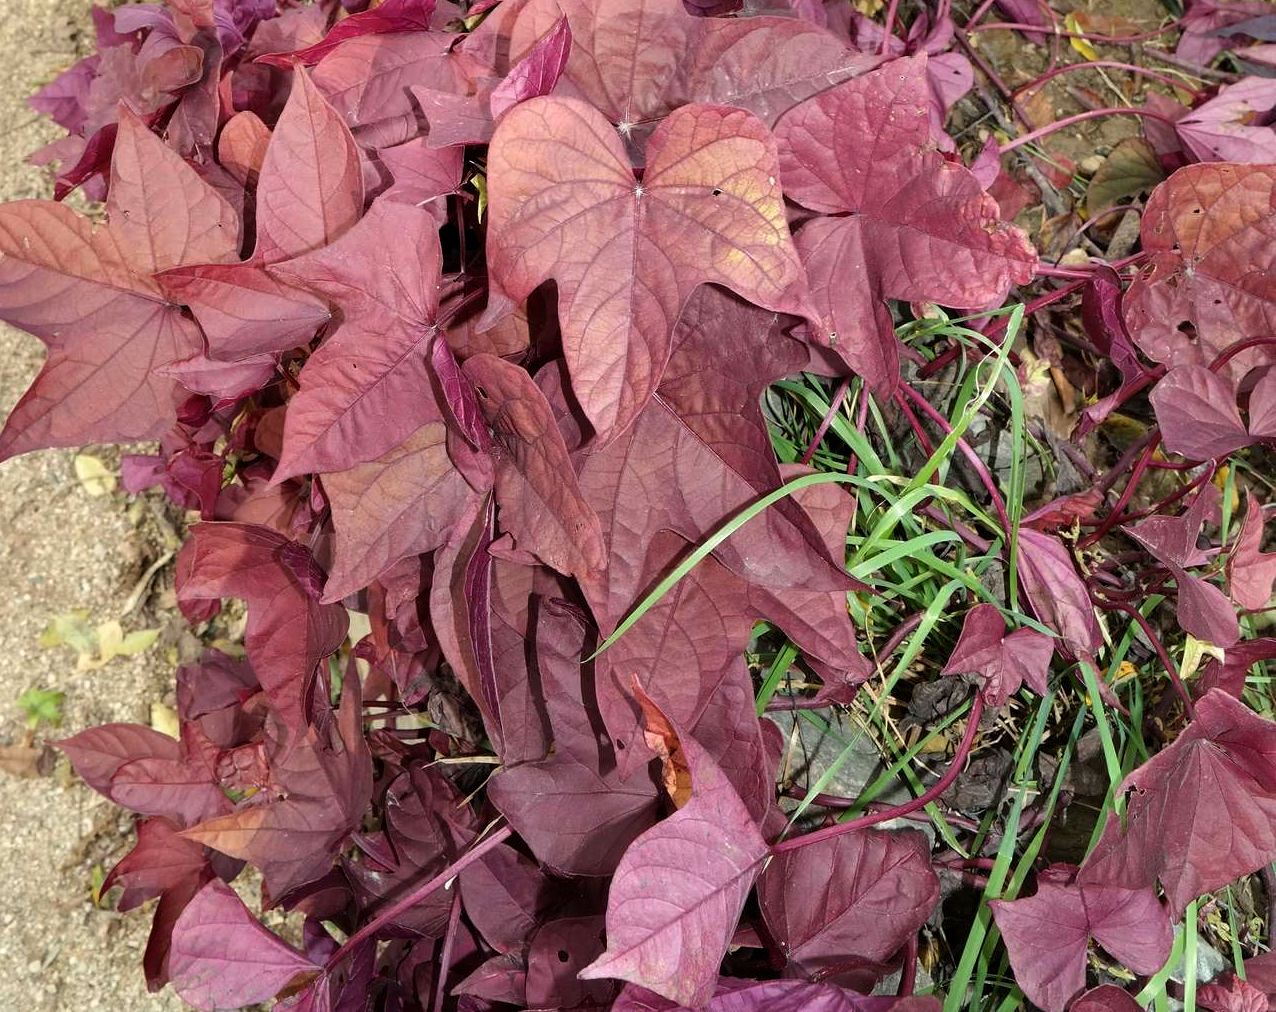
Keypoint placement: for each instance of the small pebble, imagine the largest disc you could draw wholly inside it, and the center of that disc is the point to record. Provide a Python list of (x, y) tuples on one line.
[(1090, 165)]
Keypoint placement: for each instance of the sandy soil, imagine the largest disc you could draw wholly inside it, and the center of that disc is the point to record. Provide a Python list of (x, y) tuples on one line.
[(61, 549)]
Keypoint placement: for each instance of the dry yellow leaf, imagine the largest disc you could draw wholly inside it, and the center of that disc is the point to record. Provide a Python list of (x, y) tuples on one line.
[(94, 476)]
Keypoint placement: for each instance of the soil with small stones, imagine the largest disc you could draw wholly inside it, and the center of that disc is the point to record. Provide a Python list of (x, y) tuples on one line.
[(60, 550)]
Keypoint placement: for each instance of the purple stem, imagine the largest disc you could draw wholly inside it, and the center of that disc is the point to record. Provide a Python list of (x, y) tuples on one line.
[(908, 972), (1110, 476), (1127, 493), (418, 894), (1066, 273), (978, 13), (919, 802), (826, 421), (445, 957), (1110, 40), (957, 527), (1166, 660), (916, 425), (1081, 117), (1232, 350), (898, 633), (861, 419), (1129, 68), (888, 27), (980, 468)]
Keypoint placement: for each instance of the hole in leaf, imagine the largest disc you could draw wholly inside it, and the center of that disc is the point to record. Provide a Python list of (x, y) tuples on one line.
[(717, 191), (563, 956)]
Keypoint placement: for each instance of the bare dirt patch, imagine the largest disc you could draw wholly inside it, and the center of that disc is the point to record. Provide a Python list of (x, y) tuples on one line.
[(60, 550)]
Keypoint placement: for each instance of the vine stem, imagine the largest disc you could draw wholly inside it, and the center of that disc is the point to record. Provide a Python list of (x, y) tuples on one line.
[(975, 461), (1109, 477), (1232, 350), (1129, 68), (889, 27), (908, 972), (445, 957), (418, 894), (1105, 40), (921, 801), (1066, 273), (834, 406), (1081, 117), (915, 423), (978, 13), (1166, 660), (1127, 493)]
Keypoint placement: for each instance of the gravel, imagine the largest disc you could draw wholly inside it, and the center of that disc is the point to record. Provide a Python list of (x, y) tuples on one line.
[(60, 550)]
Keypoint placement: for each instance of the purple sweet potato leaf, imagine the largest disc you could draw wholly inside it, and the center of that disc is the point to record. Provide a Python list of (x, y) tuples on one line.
[(1262, 407), (367, 80), (574, 819), (1235, 125), (243, 311), (65, 98), (540, 500), (501, 978), (688, 646), (1200, 813), (406, 503), (552, 980), (166, 865), (423, 174), (1235, 995), (87, 293), (697, 454), (1196, 410), (505, 897), (855, 896), (161, 859), (1107, 998), (1229, 674), (1056, 593), (776, 996), (368, 387), (626, 255), (145, 771), (1209, 25), (242, 145), (99, 752), (678, 892), (311, 186), (1047, 935), (222, 958), (427, 826), (637, 61), (162, 211), (289, 631), (1003, 662), (304, 200), (861, 153), (388, 17), (1251, 571), (1172, 541), (536, 73), (1204, 611), (321, 783), (1208, 232)]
